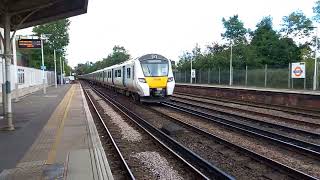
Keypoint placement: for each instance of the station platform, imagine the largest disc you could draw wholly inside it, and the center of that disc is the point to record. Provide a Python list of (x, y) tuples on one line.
[(55, 138), (293, 91), (303, 99)]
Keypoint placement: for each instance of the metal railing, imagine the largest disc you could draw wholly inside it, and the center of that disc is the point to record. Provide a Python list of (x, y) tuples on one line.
[(268, 77)]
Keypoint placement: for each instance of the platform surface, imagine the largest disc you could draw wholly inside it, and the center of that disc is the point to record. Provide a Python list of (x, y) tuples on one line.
[(59, 143), (293, 91), (30, 115)]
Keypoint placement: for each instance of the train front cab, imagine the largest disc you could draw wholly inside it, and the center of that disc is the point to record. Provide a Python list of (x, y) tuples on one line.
[(157, 84)]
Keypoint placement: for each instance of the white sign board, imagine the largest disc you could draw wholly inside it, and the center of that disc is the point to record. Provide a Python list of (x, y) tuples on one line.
[(193, 73), (298, 70)]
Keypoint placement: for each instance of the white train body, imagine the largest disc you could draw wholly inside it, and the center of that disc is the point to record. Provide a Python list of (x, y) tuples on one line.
[(148, 78)]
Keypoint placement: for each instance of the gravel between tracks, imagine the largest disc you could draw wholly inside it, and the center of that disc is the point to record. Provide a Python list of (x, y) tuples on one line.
[(158, 165), (127, 132), (300, 162)]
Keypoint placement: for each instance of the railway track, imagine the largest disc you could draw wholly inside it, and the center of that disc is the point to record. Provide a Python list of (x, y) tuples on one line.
[(273, 165), (309, 149), (258, 121), (119, 167), (310, 113), (183, 155), (230, 159)]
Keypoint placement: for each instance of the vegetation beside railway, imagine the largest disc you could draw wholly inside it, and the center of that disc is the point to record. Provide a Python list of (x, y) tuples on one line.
[(275, 46)]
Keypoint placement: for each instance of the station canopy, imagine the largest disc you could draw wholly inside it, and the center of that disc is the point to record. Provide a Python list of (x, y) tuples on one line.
[(27, 13)]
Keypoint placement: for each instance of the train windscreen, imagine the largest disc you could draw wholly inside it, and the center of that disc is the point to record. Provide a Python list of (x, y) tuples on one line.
[(155, 67)]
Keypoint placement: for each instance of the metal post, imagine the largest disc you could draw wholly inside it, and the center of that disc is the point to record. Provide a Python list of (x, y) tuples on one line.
[(55, 68), (200, 81), (315, 63), (219, 76), (304, 82), (231, 68), (61, 78), (289, 75), (191, 73), (43, 77), (265, 75), (208, 76), (7, 52), (14, 53), (63, 68), (246, 82), (4, 104)]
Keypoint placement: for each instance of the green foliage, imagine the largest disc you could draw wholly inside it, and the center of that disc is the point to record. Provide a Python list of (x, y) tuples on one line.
[(57, 34), (316, 10), (297, 25), (266, 47), (234, 30), (118, 55)]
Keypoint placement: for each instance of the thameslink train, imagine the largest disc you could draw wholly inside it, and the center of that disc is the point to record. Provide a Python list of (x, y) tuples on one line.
[(148, 78)]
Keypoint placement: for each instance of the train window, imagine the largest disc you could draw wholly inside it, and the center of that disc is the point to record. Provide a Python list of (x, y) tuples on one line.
[(115, 73), (119, 73), (128, 73)]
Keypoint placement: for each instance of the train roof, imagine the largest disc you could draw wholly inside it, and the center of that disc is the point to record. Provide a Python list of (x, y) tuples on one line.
[(141, 58)]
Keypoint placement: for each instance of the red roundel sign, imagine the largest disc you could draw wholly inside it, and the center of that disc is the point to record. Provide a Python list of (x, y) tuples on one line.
[(298, 70)]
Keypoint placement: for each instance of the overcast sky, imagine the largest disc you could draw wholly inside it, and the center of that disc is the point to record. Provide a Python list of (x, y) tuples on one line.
[(167, 27)]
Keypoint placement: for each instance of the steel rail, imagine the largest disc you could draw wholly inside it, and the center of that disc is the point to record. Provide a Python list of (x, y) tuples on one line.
[(308, 133), (287, 119), (272, 163), (169, 143), (124, 163), (298, 145), (291, 110)]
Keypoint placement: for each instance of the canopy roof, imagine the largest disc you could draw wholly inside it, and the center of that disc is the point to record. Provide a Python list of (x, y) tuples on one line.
[(26, 13)]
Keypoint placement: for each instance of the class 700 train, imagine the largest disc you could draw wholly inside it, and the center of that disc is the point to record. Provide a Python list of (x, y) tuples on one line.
[(148, 78)]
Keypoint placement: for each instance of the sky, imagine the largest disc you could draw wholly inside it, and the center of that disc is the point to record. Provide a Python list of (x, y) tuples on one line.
[(167, 27)]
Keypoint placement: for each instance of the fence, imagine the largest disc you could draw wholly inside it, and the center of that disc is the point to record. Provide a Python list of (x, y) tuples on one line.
[(269, 77), (27, 77)]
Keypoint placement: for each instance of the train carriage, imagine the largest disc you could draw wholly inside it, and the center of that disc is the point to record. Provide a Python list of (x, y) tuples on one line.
[(148, 78)]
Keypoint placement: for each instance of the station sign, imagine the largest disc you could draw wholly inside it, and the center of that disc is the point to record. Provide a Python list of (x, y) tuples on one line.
[(298, 70), (193, 73), (29, 43)]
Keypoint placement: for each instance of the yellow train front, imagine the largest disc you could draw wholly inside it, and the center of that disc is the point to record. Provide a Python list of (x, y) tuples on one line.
[(155, 81)]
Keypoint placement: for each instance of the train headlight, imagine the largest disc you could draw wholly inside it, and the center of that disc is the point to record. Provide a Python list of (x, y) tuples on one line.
[(170, 79), (143, 80)]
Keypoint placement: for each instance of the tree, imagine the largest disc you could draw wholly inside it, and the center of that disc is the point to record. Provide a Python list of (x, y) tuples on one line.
[(119, 54), (57, 34), (297, 25), (265, 40), (270, 48), (316, 10), (234, 30)]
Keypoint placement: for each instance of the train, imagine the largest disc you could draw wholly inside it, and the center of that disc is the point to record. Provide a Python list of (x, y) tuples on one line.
[(148, 78)]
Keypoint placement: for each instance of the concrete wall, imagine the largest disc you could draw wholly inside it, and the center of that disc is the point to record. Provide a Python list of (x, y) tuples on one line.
[(304, 100), (32, 80)]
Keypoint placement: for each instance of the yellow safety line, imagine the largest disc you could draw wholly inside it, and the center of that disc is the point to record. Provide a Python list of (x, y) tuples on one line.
[(53, 152)]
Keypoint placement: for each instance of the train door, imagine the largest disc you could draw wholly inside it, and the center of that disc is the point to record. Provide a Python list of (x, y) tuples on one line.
[(112, 76), (124, 76), (103, 74)]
